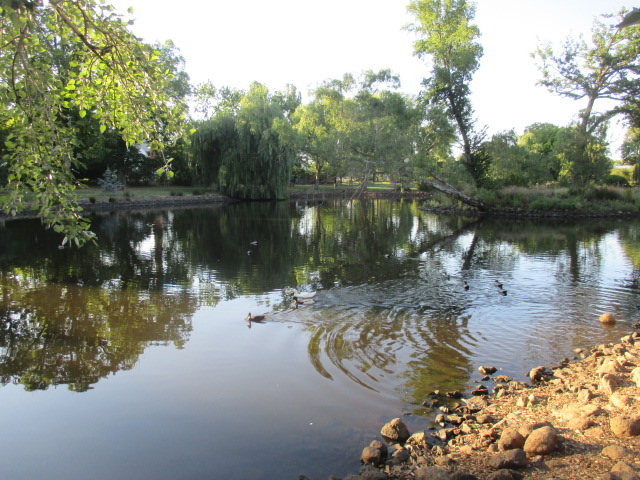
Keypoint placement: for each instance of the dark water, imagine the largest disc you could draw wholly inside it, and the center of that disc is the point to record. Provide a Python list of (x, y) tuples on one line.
[(132, 359)]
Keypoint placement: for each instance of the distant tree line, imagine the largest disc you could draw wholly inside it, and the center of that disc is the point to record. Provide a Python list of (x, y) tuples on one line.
[(107, 101)]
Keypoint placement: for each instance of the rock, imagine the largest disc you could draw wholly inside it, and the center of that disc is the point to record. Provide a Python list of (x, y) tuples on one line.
[(541, 441), (510, 439), (502, 379), (621, 401), (580, 423), (607, 319), (367, 472), (515, 458), (622, 467), (396, 431), (610, 366), (431, 473), (484, 419), (635, 376), (615, 452), (505, 474), (375, 453), (625, 426), (487, 370), (539, 373), (461, 475), (584, 395), (419, 439), (480, 390), (399, 457)]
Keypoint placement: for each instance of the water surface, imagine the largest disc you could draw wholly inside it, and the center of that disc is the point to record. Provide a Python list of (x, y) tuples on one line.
[(131, 358)]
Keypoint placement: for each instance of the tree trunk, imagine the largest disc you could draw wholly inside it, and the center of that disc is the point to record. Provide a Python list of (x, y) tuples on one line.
[(451, 191)]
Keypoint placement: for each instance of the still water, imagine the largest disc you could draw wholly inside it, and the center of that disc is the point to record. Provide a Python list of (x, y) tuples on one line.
[(132, 358)]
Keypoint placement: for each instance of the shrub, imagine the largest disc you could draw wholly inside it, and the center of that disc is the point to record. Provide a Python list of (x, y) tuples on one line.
[(92, 199), (614, 179), (112, 200)]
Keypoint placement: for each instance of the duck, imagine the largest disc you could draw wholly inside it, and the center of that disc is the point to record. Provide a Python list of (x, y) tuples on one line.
[(466, 285), (255, 318), (503, 291), (498, 284), (303, 295)]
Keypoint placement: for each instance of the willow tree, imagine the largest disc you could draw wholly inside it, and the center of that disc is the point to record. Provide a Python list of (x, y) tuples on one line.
[(106, 72), (447, 40), (250, 154)]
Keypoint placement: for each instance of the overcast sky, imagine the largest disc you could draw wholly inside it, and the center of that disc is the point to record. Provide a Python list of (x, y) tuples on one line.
[(276, 42)]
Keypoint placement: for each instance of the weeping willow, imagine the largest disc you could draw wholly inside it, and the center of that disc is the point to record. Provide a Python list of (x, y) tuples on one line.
[(248, 154)]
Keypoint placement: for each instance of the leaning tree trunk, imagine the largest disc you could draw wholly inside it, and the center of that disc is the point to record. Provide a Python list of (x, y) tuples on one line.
[(451, 191)]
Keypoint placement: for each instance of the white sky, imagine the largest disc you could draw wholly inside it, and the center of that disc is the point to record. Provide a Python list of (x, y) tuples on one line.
[(300, 42)]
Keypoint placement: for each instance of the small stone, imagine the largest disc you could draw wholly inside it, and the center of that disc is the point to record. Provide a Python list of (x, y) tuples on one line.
[(607, 319), (622, 467), (401, 455), (484, 419), (480, 390), (625, 426), (615, 452), (418, 439), (585, 395), (609, 383), (487, 370), (515, 458), (619, 400), (396, 431), (541, 441), (610, 366), (538, 374), (580, 423)]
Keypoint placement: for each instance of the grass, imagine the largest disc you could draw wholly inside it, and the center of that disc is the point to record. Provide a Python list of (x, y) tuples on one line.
[(139, 192)]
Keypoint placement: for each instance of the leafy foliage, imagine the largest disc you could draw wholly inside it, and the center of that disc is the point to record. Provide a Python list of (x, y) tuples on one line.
[(70, 58), (250, 154), (448, 41)]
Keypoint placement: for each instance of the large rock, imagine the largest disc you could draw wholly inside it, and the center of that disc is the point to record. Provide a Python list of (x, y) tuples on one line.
[(625, 425), (609, 383), (487, 370), (396, 431), (431, 473), (374, 454), (505, 474), (515, 458), (542, 441), (510, 439)]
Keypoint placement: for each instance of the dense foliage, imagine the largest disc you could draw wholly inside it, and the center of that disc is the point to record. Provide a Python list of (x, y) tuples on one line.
[(83, 96)]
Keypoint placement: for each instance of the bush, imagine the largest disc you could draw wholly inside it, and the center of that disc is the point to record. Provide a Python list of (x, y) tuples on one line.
[(616, 180), (92, 199)]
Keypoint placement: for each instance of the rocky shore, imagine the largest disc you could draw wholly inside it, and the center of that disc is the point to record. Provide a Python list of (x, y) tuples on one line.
[(576, 420)]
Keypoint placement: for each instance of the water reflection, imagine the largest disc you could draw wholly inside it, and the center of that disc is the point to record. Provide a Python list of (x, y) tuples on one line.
[(393, 301)]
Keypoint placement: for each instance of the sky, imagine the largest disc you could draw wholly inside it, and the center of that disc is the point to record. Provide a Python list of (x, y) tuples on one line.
[(303, 43)]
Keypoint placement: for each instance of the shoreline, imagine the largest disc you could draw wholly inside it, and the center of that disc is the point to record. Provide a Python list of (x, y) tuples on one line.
[(178, 201), (575, 420)]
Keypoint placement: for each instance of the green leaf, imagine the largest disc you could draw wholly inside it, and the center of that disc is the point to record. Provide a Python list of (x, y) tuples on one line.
[(160, 171), (83, 113), (103, 127)]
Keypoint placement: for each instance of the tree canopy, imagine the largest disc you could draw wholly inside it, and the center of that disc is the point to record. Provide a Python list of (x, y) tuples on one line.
[(69, 58)]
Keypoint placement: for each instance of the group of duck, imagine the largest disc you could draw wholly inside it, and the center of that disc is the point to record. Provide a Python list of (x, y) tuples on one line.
[(498, 284), (297, 299)]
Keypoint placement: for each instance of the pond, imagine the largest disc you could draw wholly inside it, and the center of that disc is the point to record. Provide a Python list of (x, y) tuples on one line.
[(132, 358)]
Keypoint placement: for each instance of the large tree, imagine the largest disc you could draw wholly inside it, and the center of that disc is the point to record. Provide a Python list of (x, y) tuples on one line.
[(607, 68), (604, 71), (448, 40), (249, 154), (65, 58)]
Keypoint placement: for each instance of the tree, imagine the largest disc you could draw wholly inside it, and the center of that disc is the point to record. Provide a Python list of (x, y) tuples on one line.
[(249, 154), (360, 124), (607, 68), (74, 57), (448, 40)]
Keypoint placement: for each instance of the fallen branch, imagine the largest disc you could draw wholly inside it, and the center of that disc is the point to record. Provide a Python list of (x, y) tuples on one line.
[(450, 190)]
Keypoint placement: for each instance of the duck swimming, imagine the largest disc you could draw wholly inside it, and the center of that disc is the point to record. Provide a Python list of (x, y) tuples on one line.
[(255, 318)]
